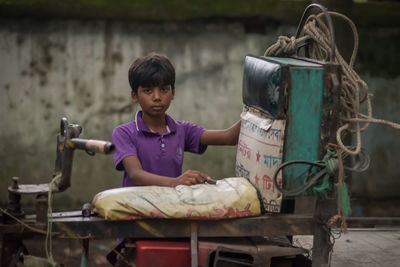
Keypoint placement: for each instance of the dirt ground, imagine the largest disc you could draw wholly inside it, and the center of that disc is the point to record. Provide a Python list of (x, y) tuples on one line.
[(69, 251), (362, 248)]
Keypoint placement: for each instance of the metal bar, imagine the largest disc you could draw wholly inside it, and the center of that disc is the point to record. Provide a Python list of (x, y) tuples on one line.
[(96, 227), (267, 225), (85, 253), (329, 22), (321, 242), (193, 244)]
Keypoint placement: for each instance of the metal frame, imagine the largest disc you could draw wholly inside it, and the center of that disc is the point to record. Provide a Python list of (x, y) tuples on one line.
[(84, 225)]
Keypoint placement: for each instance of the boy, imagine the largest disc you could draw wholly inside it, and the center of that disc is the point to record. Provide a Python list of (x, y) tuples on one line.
[(150, 149)]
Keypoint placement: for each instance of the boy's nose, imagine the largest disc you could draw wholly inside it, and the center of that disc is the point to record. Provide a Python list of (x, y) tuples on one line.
[(156, 94)]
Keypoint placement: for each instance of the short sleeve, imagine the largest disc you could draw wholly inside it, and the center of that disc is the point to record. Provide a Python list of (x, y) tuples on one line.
[(192, 138), (123, 139)]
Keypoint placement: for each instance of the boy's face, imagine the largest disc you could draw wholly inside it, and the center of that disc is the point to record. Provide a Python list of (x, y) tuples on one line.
[(154, 101)]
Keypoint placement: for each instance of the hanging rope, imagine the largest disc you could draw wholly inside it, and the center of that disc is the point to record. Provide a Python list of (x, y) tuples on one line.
[(48, 241), (354, 90)]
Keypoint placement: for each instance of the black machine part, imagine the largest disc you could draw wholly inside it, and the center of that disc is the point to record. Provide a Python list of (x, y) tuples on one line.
[(67, 142)]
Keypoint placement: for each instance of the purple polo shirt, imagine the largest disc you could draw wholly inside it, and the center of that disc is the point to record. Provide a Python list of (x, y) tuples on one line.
[(160, 154)]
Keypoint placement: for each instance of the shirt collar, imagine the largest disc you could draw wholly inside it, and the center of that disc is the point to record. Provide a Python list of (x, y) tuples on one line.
[(141, 126)]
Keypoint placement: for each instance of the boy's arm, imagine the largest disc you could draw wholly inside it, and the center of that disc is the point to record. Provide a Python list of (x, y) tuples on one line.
[(141, 177), (228, 136)]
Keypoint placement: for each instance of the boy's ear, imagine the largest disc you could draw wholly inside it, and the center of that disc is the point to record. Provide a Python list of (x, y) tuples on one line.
[(173, 93), (134, 97)]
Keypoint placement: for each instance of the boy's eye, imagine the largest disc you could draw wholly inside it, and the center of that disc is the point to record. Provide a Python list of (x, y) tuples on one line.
[(147, 90), (165, 88)]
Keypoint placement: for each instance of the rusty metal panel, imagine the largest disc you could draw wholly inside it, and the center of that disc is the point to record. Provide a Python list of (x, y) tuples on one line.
[(302, 140)]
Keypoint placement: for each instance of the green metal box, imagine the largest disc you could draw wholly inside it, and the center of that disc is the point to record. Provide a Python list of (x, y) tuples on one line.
[(303, 93)]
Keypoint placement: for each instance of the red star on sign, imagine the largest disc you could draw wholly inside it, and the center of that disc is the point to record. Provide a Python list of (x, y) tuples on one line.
[(258, 156)]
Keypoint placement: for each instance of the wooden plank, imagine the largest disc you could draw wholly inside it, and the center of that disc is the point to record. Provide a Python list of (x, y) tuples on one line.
[(278, 225)]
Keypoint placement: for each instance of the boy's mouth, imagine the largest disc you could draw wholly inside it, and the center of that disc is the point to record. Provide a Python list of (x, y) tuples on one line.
[(157, 108)]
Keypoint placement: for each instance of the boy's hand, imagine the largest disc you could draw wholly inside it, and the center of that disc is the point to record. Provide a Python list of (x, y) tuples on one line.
[(191, 177)]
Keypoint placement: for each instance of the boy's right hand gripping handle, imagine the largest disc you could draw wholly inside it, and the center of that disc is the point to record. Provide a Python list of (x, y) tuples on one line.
[(92, 146)]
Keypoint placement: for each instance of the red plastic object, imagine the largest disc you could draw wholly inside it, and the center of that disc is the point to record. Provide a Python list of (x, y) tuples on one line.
[(162, 254)]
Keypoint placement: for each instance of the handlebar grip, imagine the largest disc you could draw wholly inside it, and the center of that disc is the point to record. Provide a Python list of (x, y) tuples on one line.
[(92, 146)]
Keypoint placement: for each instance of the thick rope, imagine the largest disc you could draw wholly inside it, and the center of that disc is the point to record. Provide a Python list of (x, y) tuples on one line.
[(354, 89)]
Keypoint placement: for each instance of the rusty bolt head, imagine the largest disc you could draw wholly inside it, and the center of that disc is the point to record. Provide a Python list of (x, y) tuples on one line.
[(14, 182)]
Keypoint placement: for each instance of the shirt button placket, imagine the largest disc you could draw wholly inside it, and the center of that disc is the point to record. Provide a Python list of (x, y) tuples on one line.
[(162, 145)]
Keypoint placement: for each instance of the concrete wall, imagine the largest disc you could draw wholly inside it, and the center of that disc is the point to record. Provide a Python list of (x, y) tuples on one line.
[(78, 68)]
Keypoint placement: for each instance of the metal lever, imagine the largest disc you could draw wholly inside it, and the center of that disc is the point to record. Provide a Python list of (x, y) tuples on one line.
[(91, 146)]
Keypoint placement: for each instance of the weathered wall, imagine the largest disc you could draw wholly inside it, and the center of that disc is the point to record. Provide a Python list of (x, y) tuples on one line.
[(376, 191), (78, 69)]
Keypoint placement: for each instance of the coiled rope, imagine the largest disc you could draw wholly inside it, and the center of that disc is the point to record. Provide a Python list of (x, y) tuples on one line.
[(354, 90)]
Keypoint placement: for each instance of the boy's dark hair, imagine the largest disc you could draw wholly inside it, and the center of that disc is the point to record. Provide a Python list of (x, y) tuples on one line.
[(151, 70)]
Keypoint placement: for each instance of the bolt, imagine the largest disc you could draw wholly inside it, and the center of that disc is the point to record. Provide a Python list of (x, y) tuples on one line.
[(15, 182)]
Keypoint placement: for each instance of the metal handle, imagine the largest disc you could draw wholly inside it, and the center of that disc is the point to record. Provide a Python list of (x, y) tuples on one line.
[(328, 20), (92, 146)]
